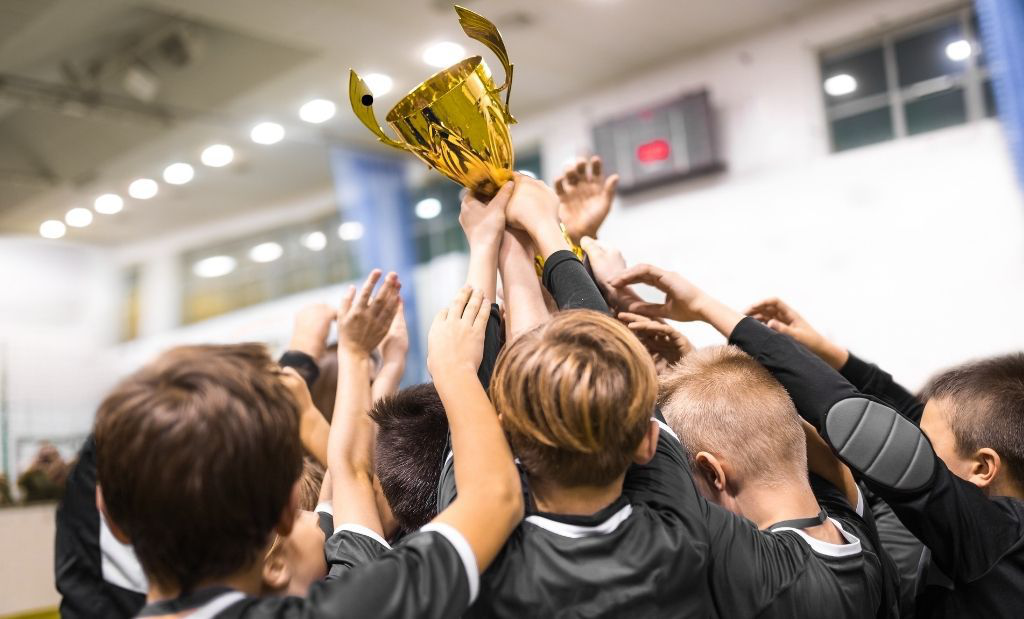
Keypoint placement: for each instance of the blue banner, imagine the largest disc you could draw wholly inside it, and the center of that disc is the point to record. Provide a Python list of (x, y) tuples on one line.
[(1002, 31), (373, 190)]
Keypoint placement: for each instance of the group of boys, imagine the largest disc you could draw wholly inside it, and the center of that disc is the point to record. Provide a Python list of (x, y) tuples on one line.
[(574, 456)]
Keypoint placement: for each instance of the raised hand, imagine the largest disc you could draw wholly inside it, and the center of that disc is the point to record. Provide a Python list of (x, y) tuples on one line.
[(666, 345), (456, 339), (364, 319), (682, 299), (585, 197), (779, 316), (312, 324), (484, 222), (395, 344)]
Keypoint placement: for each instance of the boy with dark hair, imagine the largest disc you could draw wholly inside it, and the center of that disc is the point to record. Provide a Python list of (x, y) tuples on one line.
[(951, 503), (222, 423)]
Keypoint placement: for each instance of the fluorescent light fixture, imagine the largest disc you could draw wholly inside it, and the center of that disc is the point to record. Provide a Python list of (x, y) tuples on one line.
[(143, 188), (267, 133), (108, 204), (214, 266), (314, 241), (839, 85), (78, 217), (958, 51), (317, 111), (266, 252), (527, 173), (350, 231), (217, 155), (443, 54), (52, 229), (378, 83), (179, 173), (428, 208)]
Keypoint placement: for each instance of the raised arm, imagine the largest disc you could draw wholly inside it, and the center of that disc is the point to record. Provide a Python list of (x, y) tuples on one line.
[(489, 502), (392, 351), (363, 320), (524, 295), (585, 197), (866, 377)]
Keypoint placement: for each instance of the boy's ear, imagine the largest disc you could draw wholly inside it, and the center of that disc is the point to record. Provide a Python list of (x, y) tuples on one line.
[(101, 505), (277, 574), (711, 470), (290, 511), (648, 445), (985, 468)]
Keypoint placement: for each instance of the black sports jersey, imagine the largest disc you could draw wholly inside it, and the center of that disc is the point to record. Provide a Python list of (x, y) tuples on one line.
[(977, 541), (870, 379)]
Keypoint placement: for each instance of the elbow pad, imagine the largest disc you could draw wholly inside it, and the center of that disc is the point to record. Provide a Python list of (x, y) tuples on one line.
[(880, 444)]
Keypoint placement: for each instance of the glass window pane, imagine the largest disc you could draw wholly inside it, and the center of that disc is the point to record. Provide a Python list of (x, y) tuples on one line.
[(935, 111), (867, 68), (936, 52), (862, 129)]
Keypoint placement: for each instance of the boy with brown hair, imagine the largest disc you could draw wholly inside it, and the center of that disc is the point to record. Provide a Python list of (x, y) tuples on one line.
[(199, 457)]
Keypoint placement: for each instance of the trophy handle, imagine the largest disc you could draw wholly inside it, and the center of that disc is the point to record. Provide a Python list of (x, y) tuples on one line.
[(362, 104), (481, 29)]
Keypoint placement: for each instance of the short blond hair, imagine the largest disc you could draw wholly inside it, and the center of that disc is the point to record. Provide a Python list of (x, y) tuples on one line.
[(719, 400), (576, 395)]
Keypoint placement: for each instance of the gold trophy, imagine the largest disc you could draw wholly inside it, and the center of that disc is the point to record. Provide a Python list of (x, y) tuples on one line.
[(455, 121)]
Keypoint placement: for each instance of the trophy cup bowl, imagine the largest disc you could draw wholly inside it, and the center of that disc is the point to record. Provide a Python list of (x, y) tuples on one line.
[(455, 121)]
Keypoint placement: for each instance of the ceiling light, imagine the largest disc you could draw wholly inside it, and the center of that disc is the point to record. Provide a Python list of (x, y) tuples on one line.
[(143, 188), (214, 266), (108, 204), (52, 229), (267, 133), (428, 208), (266, 252), (315, 241), (317, 111), (78, 217), (527, 173), (378, 83), (839, 85), (350, 231), (959, 51), (179, 173), (443, 54), (217, 155)]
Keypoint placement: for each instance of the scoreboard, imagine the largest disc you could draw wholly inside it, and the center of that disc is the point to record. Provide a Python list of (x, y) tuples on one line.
[(660, 144)]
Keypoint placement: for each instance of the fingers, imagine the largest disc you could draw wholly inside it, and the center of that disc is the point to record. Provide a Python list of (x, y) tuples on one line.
[(364, 293), (610, 184), (571, 175), (346, 300), (590, 245), (560, 188), (781, 327), (458, 304), (476, 300), (639, 274), (483, 313), (500, 199), (581, 168), (595, 166), (651, 310)]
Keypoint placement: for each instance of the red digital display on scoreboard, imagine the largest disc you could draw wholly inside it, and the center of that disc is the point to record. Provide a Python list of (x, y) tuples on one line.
[(655, 150)]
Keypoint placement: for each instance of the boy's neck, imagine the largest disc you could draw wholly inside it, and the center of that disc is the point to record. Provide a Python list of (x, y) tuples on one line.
[(765, 505), (574, 500), (247, 581)]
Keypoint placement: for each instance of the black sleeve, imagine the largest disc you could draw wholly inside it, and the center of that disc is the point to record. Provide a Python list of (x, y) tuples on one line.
[(870, 379), (427, 575), (567, 280), (494, 340), (350, 547), (966, 531), (303, 364)]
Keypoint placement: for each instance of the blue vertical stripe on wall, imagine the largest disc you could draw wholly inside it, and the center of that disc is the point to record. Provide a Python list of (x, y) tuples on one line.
[(1002, 32)]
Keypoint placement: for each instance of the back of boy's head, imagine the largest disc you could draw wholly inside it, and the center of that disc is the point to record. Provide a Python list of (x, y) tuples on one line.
[(719, 400), (412, 431), (984, 405), (310, 481), (576, 395), (197, 455)]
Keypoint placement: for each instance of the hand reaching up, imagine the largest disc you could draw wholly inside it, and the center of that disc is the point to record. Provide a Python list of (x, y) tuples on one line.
[(532, 203), (364, 320), (666, 345), (682, 299), (585, 197), (456, 339), (779, 316), (484, 222), (312, 324)]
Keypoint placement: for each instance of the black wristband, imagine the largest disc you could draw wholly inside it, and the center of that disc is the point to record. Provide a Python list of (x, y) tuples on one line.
[(302, 363)]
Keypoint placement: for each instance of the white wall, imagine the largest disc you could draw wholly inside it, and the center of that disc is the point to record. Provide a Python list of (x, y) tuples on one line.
[(910, 252)]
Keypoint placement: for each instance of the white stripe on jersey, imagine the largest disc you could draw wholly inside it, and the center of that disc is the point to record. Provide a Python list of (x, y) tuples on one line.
[(665, 428), (214, 606), (465, 551), (576, 531), (860, 503), (118, 563), (852, 547), (361, 530), (325, 507)]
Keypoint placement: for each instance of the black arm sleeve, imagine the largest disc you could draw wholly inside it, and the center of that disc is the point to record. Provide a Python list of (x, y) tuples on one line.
[(303, 364), (494, 340), (870, 379), (966, 531), (570, 284)]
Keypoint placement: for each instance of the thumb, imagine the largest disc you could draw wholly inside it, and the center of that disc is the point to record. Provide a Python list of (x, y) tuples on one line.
[(781, 327), (588, 244)]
